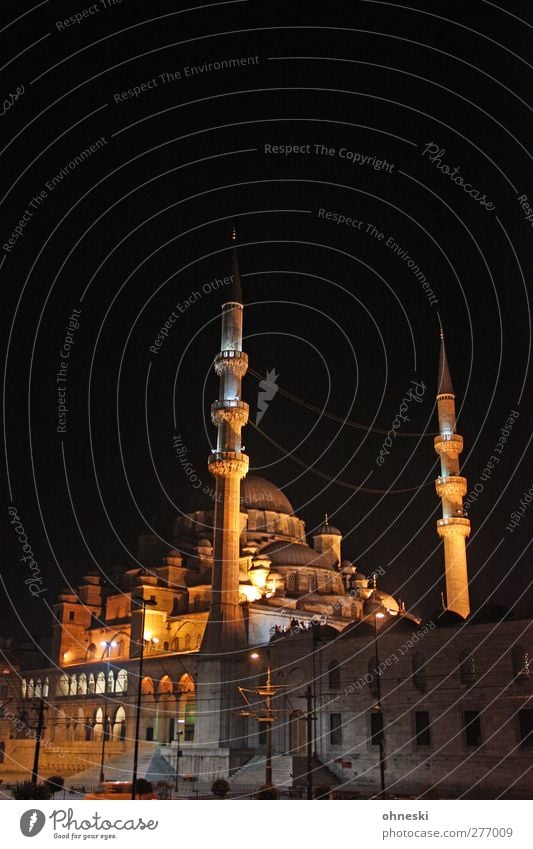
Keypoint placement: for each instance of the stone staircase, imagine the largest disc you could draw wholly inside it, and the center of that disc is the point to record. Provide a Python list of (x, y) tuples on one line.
[(151, 765), (253, 773)]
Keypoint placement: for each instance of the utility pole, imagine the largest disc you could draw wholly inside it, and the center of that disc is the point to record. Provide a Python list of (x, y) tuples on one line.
[(309, 749), (142, 602), (40, 729)]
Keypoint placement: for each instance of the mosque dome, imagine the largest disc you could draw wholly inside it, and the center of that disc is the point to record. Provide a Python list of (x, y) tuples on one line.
[(260, 494), (257, 493)]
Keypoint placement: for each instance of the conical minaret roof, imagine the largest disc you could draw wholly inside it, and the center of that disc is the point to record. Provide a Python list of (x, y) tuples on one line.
[(445, 385)]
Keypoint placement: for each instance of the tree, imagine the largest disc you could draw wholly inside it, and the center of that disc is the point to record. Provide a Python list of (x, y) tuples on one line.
[(55, 783), (220, 788), (26, 790)]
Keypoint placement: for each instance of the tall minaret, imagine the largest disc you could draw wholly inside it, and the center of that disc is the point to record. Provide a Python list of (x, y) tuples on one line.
[(454, 527), (225, 630)]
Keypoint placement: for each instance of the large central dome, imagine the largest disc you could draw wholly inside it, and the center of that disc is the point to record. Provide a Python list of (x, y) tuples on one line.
[(259, 494)]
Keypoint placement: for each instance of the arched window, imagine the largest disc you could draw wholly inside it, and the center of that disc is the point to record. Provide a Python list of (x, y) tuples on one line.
[(119, 648), (419, 672), (91, 685), (100, 683), (334, 675), (165, 645), (110, 681), (176, 644), (312, 583), (520, 661), (38, 689), (187, 642), (23, 688), (98, 724), (119, 725), (73, 686), (372, 676), (82, 684), (187, 706), (31, 689), (467, 667), (91, 652), (165, 686), (122, 682), (46, 687), (147, 686)]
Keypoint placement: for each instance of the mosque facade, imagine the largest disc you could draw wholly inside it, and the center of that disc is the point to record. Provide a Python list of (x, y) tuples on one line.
[(355, 682)]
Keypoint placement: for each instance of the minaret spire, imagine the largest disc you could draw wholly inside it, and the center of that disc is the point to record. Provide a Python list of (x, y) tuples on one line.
[(225, 630), (454, 527), (445, 386)]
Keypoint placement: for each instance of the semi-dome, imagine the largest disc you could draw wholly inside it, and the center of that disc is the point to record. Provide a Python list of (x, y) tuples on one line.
[(294, 554), (260, 494)]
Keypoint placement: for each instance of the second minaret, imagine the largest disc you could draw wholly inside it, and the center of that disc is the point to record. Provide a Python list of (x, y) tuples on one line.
[(228, 464), (454, 527)]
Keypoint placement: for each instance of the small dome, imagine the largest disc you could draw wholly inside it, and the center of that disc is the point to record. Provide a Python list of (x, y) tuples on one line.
[(444, 619), (204, 543), (326, 528), (358, 629), (294, 554)]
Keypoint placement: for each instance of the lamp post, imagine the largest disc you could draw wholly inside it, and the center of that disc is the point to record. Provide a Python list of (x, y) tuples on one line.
[(267, 692), (107, 646), (143, 603), (178, 753), (379, 615)]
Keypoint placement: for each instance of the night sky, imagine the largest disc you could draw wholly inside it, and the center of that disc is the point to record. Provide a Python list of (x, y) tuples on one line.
[(360, 149)]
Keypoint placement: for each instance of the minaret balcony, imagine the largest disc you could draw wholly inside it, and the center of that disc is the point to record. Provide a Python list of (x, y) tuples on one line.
[(231, 362), (448, 443), (228, 464), (453, 526), (232, 411), (450, 485)]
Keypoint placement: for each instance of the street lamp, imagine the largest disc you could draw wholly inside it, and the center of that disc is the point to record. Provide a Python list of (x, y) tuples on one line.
[(107, 646), (379, 615), (267, 692), (143, 603), (178, 753)]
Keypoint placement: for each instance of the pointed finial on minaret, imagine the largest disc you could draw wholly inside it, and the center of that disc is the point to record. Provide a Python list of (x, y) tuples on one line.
[(235, 292), (375, 581), (325, 518), (444, 385)]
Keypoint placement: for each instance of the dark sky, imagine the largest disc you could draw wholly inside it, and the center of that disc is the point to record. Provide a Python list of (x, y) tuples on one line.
[(387, 104)]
